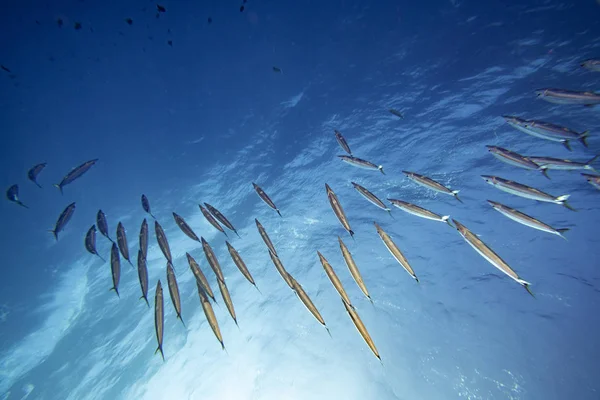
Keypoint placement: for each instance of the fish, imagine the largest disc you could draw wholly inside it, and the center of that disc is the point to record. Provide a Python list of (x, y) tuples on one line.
[(63, 219), (237, 260), (200, 277), (12, 194), (115, 268), (227, 299), (122, 241), (371, 197), (563, 96), (281, 269), (159, 318), (265, 197), (146, 205), (143, 275), (547, 131), (185, 228), (265, 237), (5, 69), (353, 268), (210, 314), (59, 22), (170, 43), (360, 163), (487, 253), (144, 238), (335, 281), (342, 142), (338, 210), (242, 8), (518, 189), (420, 211), (209, 20), (212, 259), (525, 219), (129, 21), (306, 300), (212, 219), (515, 159), (74, 174), (360, 326), (593, 180), (160, 8), (162, 241), (562, 164), (277, 69), (221, 218), (430, 184), (102, 224), (396, 113), (77, 26), (592, 65), (90, 242), (174, 291), (395, 251), (34, 172)]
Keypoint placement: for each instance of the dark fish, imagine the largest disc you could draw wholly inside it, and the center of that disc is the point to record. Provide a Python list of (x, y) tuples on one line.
[(210, 314), (75, 173), (277, 69), (241, 8), (59, 22), (396, 113), (34, 172), (219, 216), (162, 241), (211, 219), (63, 219), (159, 318), (160, 8), (90, 241), (102, 224), (200, 277), (342, 142), (174, 291), (338, 210), (593, 180), (209, 20), (5, 69), (265, 197), (146, 205), (129, 21), (143, 275), (170, 43), (212, 260), (237, 260), (122, 241), (12, 194), (115, 267), (265, 237), (185, 227), (144, 238), (77, 26)]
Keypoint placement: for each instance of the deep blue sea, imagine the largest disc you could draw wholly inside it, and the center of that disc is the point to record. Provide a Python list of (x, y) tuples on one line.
[(187, 111)]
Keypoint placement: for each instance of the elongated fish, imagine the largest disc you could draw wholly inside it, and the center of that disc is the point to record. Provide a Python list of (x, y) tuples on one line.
[(395, 251), (115, 268), (420, 211), (527, 192), (34, 172), (143, 275), (144, 238), (396, 113), (237, 260), (90, 242), (525, 219), (562, 164), (430, 184), (360, 163), (265, 237), (146, 205), (122, 242), (547, 131), (63, 219), (174, 291), (591, 64), (281, 269), (159, 318), (307, 301), (210, 314), (353, 268), (221, 218), (360, 326), (212, 259), (335, 281), (102, 224), (185, 228), (75, 173), (370, 197), (227, 299), (211, 219), (342, 142), (12, 194), (161, 238), (200, 277), (489, 254), (265, 197), (338, 210), (515, 159), (563, 96), (593, 180)]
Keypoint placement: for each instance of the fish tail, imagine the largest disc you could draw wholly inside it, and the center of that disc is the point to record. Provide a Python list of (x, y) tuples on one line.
[(52, 231), (588, 164), (116, 291), (561, 231), (146, 299), (257, 289), (279, 213), (567, 145), (129, 261), (526, 285), (101, 257), (226, 235), (21, 204), (544, 172), (562, 200), (181, 319), (455, 194), (38, 185), (223, 347), (59, 188), (380, 168), (159, 348), (351, 232), (583, 138), (236, 323), (390, 212), (152, 215), (238, 235), (328, 331), (416, 278)]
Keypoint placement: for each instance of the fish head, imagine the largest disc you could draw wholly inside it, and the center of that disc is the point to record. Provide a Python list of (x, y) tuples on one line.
[(328, 188), (493, 203), (459, 227), (254, 185), (492, 149), (541, 92), (489, 179), (512, 120), (407, 173)]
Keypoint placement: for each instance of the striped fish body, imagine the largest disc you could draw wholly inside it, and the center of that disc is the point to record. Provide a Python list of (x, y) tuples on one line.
[(338, 210), (212, 260), (395, 251), (144, 237), (525, 219), (419, 211), (512, 158), (562, 164), (518, 189), (360, 163), (562, 96), (342, 142), (199, 275), (159, 318), (370, 196)]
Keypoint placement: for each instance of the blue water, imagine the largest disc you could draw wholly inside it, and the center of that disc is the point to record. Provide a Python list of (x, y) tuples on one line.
[(200, 120)]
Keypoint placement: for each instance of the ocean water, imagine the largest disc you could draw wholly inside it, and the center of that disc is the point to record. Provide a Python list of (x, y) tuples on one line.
[(200, 119)]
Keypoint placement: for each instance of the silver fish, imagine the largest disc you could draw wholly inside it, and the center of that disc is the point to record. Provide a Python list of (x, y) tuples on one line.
[(199, 275), (122, 242), (146, 205), (63, 219), (307, 301), (174, 291), (159, 318), (527, 192), (420, 211), (144, 238), (237, 260), (565, 165), (353, 269), (430, 184), (210, 314), (281, 269), (547, 131), (342, 142), (161, 238), (227, 299), (219, 216), (592, 65), (335, 281), (515, 159), (360, 163), (115, 268), (489, 254), (338, 210), (12, 194), (90, 242), (212, 219), (593, 180), (265, 237), (34, 172), (185, 228), (212, 259), (265, 197), (396, 113), (360, 326), (102, 224), (525, 219), (563, 96), (143, 275), (395, 251), (370, 197), (75, 173)]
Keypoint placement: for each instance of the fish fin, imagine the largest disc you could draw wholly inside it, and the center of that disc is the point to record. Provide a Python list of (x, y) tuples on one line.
[(58, 187), (583, 139), (567, 145), (159, 348), (279, 213), (257, 289), (564, 197), (38, 185), (561, 231), (146, 299), (129, 261), (181, 319), (544, 172), (116, 291), (227, 236), (416, 278), (152, 215), (390, 212), (455, 194), (351, 232), (52, 231), (526, 286), (238, 235), (21, 204), (591, 161), (381, 169), (328, 331), (101, 257), (446, 218)]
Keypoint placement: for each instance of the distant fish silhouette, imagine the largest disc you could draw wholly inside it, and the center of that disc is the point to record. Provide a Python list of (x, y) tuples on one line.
[(218, 215), (162, 241), (63, 219), (115, 267), (144, 238), (159, 318), (277, 69), (396, 113), (174, 291), (77, 26), (34, 172), (146, 205), (5, 69), (75, 173), (129, 21), (143, 276), (12, 194), (265, 197), (102, 224), (122, 242), (90, 242)]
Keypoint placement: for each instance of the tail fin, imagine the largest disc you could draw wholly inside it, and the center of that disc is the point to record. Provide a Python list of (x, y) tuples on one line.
[(227, 236), (561, 231), (279, 213), (380, 168), (526, 286), (19, 202), (38, 185), (181, 319), (351, 232), (145, 298), (52, 231), (161, 351), (116, 291), (588, 165), (238, 235), (59, 188), (562, 200), (583, 138), (101, 257), (544, 172), (446, 219), (455, 194), (567, 145)]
